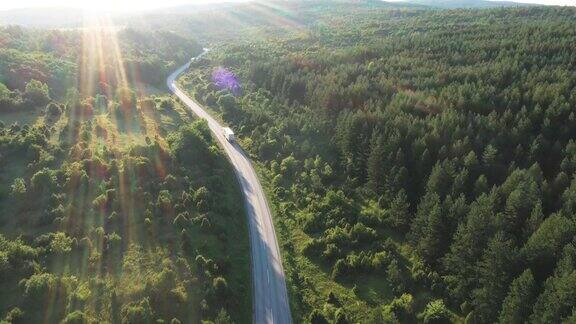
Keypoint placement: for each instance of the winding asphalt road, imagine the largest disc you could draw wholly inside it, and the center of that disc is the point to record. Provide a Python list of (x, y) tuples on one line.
[(270, 304)]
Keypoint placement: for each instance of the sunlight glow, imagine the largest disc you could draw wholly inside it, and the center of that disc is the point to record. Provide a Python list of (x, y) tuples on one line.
[(142, 5), (104, 5)]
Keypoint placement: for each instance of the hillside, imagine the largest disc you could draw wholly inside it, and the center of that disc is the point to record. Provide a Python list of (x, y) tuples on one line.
[(453, 4), (116, 205)]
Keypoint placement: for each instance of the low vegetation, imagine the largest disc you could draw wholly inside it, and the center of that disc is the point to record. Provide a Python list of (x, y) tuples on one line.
[(117, 206)]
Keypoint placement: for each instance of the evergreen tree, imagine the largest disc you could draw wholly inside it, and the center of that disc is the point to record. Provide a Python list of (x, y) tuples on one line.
[(517, 305)]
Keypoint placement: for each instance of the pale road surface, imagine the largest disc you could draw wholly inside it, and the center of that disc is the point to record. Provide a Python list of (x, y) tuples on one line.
[(270, 298)]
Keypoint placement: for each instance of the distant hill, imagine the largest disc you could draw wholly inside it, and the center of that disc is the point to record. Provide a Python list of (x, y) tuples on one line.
[(54, 17), (453, 4)]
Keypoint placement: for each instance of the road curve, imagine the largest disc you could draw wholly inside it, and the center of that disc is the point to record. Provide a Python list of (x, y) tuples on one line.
[(270, 298)]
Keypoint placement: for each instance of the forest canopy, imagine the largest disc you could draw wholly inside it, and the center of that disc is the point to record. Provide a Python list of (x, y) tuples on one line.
[(421, 161), (420, 165), (110, 189)]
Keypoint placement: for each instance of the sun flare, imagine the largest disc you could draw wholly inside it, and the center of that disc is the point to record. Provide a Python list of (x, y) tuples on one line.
[(99, 6), (112, 5)]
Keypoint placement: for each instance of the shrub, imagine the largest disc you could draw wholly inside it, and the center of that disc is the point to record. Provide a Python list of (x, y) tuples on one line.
[(220, 286), (15, 316), (53, 110), (341, 317), (37, 93), (223, 317), (76, 317), (340, 269), (400, 309), (435, 313), (61, 243), (39, 286), (316, 317), (42, 181), (137, 312), (18, 188)]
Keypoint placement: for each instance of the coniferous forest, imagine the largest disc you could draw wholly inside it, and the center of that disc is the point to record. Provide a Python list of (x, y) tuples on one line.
[(420, 164)]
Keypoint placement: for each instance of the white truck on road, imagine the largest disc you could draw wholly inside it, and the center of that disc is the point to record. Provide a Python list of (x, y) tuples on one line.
[(229, 134)]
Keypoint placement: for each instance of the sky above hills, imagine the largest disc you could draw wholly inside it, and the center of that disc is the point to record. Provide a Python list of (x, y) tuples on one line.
[(126, 5), (106, 5)]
